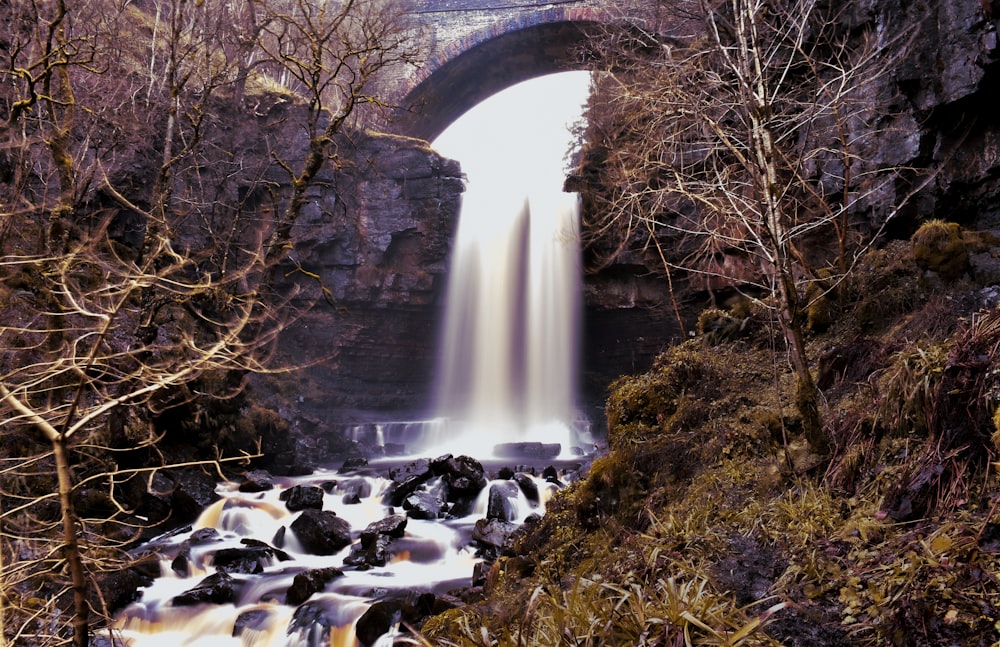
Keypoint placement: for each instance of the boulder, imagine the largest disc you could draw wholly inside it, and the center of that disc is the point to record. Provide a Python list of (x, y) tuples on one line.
[(499, 504), (302, 497), (251, 559), (383, 615), (493, 532), (528, 487), (321, 532), (217, 588), (375, 553), (256, 481), (423, 505), (406, 480), (309, 582), (464, 475), (392, 526)]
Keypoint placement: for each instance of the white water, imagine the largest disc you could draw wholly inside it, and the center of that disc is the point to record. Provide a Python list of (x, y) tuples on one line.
[(433, 555), (509, 346)]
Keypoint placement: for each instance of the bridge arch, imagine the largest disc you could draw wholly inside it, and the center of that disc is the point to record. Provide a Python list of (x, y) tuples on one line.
[(486, 61)]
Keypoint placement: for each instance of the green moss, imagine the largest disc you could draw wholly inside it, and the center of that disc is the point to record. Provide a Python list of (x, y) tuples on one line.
[(941, 247)]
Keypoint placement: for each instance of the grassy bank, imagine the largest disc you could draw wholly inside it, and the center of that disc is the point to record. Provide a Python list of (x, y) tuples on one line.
[(710, 522)]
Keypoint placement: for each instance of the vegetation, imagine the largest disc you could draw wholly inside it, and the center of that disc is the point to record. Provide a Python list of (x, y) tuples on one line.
[(736, 139), (140, 242), (710, 522), (816, 466)]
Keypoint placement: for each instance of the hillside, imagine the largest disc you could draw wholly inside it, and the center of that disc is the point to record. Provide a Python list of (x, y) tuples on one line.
[(709, 521)]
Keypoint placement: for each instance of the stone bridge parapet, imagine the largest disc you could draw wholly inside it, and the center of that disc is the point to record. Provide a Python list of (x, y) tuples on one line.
[(476, 48)]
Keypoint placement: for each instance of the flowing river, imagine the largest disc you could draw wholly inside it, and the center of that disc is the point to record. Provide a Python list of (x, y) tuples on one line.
[(257, 602)]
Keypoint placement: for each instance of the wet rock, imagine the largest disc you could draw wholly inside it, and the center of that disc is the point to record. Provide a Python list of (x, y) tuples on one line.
[(255, 620), (406, 480), (313, 581), (200, 537), (423, 505), (120, 587), (393, 526), (384, 615), (251, 559), (530, 450), (352, 464), (375, 553), (551, 475), (505, 473), (499, 505), (312, 621), (256, 481), (464, 475), (479, 572), (193, 491), (492, 532), (321, 532), (356, 489), (302, 497), (217, 588), (528, 487)]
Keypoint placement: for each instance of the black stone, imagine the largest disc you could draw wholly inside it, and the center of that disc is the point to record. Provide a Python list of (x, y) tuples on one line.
[(306, 584), (217, 588), (423, 505), (321, 532), (302, 497)]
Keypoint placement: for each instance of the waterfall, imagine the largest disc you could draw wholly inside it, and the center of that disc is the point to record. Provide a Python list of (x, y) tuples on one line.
[(508, 350), (509, 345)]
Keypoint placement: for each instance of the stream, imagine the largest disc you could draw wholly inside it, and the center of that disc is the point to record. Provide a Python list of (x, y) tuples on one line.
[(247, 575)]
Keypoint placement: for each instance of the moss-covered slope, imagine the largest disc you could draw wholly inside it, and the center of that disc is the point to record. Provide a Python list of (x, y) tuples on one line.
[(709, 522)]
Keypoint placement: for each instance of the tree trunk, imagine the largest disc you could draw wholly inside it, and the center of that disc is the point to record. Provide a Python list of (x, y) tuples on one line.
[(71, 546), (806, 392)]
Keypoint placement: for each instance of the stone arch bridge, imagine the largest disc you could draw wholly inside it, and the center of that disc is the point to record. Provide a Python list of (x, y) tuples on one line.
[(476, 48)]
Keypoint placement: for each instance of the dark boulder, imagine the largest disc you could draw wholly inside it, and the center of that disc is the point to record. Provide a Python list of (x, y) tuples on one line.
[(393, 526), (352, 464), (499, 505), (217, 588), (309, 582), (256, 481), (321, 532), (406, 480), (250, 559), (301, 497), (464, 475), (193, 491), (423, 505), (528, 487), (383, 615), (492, 532), (120, 587), (375, 553)]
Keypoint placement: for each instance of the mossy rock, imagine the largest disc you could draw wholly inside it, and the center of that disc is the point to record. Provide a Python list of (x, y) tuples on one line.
[(644, 405), (941, 247)]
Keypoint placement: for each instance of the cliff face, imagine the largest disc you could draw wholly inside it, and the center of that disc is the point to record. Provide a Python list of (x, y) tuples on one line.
[(942, 87), (368, 271)]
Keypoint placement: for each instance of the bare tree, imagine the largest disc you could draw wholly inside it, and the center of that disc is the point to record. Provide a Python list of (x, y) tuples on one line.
[(129, 276), (331, 54), (742, 139)]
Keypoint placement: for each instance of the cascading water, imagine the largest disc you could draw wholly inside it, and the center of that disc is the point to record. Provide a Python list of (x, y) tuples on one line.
[(509, 360), (509, 345), (403, 532)]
